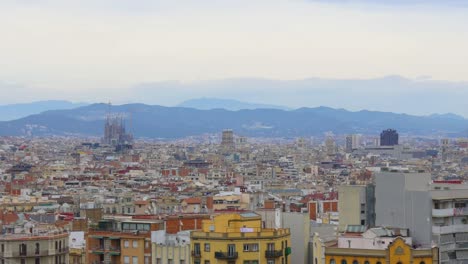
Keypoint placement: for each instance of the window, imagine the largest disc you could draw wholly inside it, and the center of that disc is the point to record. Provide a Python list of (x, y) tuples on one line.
[(126, 244), (422, 262), (207, 247), (23, 261), (207, 262), (196, 248), (271, 261), (37, 261), (147, 244), (23, 249), (355, 262), (251, 247), (158, 261), (366, 262), (378, 262), (3, 248), (344, 261), (135, 260), (147, 260), (126, 260), (332, 261), (37, 248), (135, 243), (170, 261)]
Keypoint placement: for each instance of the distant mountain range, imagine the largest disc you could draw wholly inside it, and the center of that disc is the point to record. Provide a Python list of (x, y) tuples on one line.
[(152, 121), (15, 111), (228, 104)]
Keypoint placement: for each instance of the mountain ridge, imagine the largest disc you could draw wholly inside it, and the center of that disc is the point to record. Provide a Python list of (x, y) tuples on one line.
[(154, 121)]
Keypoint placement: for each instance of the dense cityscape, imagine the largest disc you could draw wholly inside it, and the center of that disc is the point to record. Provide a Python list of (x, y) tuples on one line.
[(233, 132), (227, 198)]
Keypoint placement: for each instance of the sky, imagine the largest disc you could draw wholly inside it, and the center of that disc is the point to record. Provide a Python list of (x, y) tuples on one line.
[(105, 50)]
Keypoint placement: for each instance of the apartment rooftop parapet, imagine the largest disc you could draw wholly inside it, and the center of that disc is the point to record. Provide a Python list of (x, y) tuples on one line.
[(38, 236), (254, 233)]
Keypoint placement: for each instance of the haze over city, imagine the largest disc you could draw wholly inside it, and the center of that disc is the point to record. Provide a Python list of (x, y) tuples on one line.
[(293, 53)]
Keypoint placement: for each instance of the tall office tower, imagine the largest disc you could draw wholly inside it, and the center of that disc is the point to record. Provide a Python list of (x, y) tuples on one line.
[(444, 148), (227, 140), (389, 137), (352, 142), (330, 146)]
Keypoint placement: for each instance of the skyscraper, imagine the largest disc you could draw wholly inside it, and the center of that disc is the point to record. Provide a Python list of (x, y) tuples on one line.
[(227, 140), (352, 142), (389, 137)]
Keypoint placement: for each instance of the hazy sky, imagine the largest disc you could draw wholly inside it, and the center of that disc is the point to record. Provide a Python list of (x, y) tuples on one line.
[(95, 50)]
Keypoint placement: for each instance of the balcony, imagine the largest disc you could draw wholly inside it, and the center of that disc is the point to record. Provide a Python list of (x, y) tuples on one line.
[(273, 253), (196, 254), (226, 255), (28, 254), (442, 212), (449, 229)]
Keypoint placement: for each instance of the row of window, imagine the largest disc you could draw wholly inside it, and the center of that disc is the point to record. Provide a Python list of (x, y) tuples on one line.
[(135, 260), (135, 244), (252, 247), (23, 248)]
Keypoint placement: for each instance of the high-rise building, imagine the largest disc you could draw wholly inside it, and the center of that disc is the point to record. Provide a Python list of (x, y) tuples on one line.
[(389, 137), (240, 238), (330, 146), (352, 142), (434, 211), (227, 140)]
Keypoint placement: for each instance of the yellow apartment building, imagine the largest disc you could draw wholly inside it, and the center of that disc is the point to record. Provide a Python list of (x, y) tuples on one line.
[(240, 238)]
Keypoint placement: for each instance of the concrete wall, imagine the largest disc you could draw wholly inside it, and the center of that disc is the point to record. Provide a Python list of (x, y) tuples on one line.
[(299, 225), (349, 204), (402, 201)]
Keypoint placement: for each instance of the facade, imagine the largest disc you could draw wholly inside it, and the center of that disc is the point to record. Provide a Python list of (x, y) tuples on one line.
[(403, 200), (240, 238), (121, 242), (299, 226), (231, 201), (435, 212), (34, 244), (356, 205), (397, 252), (450, 220), (171, 248), (389, 137)]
